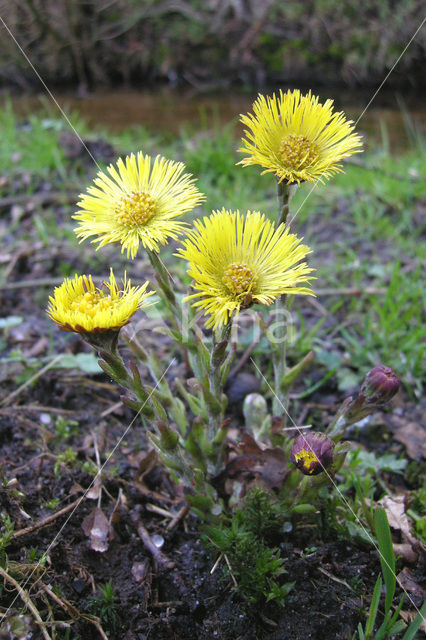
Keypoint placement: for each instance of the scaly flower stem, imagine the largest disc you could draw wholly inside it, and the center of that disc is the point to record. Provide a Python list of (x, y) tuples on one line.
[(216, 407), (285, 194), (166, 285), (279, 353), (150, 401)]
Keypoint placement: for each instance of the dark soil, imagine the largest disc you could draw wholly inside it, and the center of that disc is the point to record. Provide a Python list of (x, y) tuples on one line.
[(185, 602)]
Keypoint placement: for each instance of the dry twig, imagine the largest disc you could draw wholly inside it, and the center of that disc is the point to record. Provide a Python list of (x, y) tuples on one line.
[(155, 552), (27, 600), (46, 521)]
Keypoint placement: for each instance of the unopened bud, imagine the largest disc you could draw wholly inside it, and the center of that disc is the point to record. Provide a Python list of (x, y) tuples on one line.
[(312, 453), (379, 385)]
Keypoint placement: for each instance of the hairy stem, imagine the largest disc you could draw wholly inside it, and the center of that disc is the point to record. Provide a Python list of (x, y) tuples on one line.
[(216, 408), (279, 354)]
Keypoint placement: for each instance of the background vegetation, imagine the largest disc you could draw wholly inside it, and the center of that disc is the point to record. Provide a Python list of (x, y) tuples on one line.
[(211, 43)]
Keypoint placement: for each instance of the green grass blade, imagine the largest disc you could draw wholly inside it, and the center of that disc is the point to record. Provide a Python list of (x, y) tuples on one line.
[(396, 628), (396, 613), (361, 635), (373, 607), (387, 556)]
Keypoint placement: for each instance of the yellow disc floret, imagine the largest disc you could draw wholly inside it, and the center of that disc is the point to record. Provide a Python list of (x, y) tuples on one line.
[(77, 305), (135, 209), (238, 278), (298, 152)]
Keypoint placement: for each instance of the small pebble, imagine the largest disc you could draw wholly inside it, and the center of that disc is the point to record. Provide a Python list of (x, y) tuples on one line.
[(158, 540)]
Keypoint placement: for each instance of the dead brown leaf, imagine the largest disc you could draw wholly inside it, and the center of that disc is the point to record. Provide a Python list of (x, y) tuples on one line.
[(398, 520), (96, 488), (410, 431), (408, 617), (407, 582), (144, 462), (140, 570), (254, 464)]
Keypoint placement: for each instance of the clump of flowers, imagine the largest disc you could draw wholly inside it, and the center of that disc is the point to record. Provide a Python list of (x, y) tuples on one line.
[(235, 261)]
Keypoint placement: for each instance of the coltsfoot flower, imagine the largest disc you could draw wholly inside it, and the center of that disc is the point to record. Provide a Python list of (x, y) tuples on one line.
[(297, 138), (137, 203), (238, 260), (312, 453), (78, 305), (380, 385)]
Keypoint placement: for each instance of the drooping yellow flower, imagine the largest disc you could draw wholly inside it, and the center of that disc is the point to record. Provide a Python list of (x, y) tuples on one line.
[(237, 260), (78, 305), (137, 203), (297, 138)]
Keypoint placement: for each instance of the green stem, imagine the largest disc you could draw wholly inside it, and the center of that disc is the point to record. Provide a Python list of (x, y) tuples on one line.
[(279, 354), (142, 355), (279, 357), (285, 193), (166, 285), (216, 384)]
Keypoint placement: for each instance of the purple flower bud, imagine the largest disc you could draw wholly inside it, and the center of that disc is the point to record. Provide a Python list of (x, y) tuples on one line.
[(312, 453), (379, 385)]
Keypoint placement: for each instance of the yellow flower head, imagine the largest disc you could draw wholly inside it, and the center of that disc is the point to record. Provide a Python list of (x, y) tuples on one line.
[(236, 260), (77, 305), (297, 138), (137, 203)]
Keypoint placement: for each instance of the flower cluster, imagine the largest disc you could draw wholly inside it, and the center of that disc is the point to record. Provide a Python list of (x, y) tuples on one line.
[(234, 260)]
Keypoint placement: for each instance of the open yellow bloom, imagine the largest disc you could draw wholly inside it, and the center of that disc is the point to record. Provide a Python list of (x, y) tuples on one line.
[(236, 261), (297, 138), (137, 203), (77, 305)]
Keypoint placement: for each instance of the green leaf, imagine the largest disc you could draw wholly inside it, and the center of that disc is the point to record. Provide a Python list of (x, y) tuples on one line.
[(347, 379), (86, 362), (304, 508), (358, 532), (330, 359), (396, 628), (10, 321)]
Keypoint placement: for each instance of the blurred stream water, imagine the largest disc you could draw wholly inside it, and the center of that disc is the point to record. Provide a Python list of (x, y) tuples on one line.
[(391, 118)]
